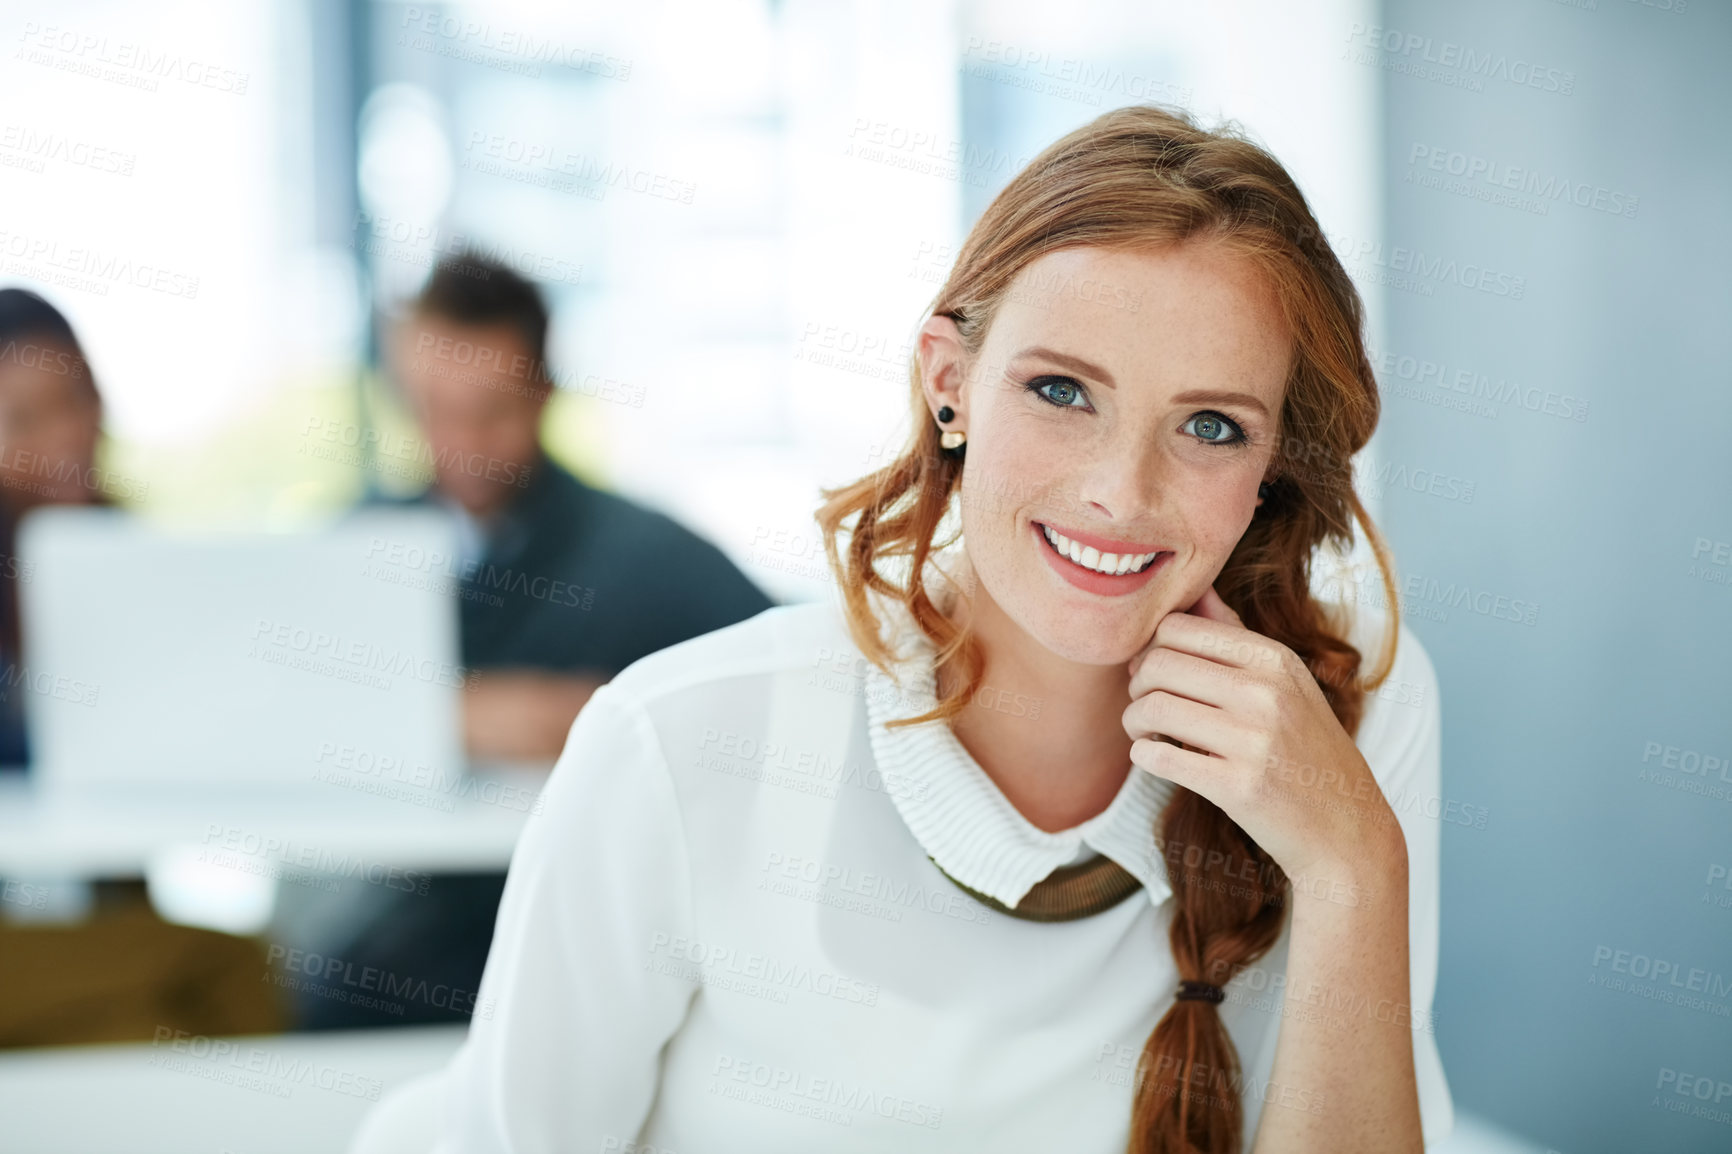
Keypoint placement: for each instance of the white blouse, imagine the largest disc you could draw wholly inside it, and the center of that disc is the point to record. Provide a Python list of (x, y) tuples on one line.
[(722, 933)]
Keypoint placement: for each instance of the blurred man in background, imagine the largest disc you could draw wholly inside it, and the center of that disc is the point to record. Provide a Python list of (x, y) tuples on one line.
[(562, 586), (565, 584), (86, 961)]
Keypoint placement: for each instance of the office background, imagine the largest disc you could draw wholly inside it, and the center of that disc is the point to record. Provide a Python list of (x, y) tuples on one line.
[(739, 212)]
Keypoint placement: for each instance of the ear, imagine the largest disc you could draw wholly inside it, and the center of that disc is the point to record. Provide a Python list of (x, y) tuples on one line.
[(397, 352), (398, 333), (942, 362), (538, 400)]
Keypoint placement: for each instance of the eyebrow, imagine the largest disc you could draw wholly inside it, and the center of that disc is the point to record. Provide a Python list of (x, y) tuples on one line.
[(1075, 364), (1090, 369), (1205, 396)]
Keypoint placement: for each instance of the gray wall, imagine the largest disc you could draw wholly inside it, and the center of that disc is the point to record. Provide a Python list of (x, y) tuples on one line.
[(1594, 523)]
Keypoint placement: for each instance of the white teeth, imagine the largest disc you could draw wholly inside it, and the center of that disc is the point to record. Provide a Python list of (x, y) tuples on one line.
[(1089, 557)]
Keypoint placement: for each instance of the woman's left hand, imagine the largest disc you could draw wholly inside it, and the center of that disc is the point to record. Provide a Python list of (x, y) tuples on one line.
[(1262, 743)]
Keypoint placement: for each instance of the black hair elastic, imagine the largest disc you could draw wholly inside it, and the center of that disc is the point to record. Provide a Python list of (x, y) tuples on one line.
[(1199, 992)]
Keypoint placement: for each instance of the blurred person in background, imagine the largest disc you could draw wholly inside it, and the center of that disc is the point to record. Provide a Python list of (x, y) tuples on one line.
[(562, 585), (61, 973), (565, 584), (50, 422)]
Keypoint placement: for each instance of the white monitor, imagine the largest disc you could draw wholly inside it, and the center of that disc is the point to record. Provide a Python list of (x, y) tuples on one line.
[(157, 658)]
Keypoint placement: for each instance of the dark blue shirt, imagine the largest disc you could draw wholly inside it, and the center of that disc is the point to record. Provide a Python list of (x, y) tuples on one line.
[(575, 578)]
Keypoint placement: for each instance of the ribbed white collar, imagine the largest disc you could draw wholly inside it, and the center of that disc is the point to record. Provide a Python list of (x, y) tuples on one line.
[(960, 816)]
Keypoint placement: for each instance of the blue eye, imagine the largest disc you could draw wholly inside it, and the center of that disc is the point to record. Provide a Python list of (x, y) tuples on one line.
[(1067, 388), (1216, 429)]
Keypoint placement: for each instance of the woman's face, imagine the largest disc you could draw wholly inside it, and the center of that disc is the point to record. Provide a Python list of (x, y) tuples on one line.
[(50, 423), (1126, 400)]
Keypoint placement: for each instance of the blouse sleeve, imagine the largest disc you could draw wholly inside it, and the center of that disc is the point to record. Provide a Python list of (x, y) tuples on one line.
[(563, 1050), (1412, 780)]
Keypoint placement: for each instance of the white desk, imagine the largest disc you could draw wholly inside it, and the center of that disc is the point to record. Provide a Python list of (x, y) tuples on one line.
[(87, 838), (128, 1100), (263, 1096)]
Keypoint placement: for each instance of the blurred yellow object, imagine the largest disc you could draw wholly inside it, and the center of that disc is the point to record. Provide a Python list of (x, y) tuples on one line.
[(125, 973)]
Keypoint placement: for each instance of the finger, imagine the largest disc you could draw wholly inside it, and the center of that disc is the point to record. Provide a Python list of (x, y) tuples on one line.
[(1211, 606), (1198, 678), (1219, 641), (1154, 642), (1196, 608), (1197, 772), (1202, 727)]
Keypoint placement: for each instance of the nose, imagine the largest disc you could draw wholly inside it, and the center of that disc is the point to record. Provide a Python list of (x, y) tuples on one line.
[(1125, 481)]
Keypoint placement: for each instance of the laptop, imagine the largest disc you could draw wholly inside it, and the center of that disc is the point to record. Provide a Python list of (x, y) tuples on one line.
[(160, 661)]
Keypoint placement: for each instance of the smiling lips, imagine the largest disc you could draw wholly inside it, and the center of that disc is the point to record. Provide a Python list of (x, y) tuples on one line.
[(1098, 564)]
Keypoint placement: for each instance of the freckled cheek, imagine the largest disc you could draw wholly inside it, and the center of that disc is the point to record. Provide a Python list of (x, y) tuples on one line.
[(1211, 517), (1012, 471)]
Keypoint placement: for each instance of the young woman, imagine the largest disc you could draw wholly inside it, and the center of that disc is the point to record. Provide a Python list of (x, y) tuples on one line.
[(1080, 829)]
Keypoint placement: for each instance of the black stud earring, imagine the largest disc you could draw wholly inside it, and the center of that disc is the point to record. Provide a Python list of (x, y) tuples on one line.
[(945, 413), (1263, 490)]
